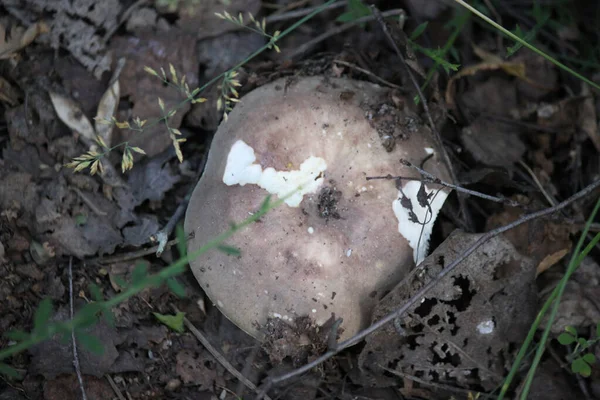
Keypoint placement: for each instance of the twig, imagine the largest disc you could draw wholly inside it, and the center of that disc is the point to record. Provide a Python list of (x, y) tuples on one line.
[(114, 387), (124, 17), (367, 72), (537, 182), (431, 384), (417, 297), (132, 255), (438, 138), (75, 356), (301, 13), (429, 178), (162, 236), (218, 356), (89, 203), (337, 30)]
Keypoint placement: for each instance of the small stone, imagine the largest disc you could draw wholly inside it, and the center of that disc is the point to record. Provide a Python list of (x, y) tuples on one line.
[(173, 384)]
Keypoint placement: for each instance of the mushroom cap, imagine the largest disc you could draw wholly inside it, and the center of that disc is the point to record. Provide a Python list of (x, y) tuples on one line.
[(335, 248)]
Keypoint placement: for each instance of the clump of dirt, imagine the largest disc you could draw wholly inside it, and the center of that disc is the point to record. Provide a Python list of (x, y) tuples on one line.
[(328, 200), (299, 341), (392, 123)]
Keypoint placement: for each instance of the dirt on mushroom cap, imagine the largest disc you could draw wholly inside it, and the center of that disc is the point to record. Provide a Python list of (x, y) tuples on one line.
[(339, 250)]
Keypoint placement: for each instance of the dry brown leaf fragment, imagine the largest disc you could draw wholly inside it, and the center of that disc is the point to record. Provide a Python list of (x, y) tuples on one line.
[(106, 110), (69, 112), (19, 38)]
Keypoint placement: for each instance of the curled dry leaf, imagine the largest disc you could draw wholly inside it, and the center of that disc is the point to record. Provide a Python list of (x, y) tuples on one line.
[(70, 113), (106, 110), (19, 38)]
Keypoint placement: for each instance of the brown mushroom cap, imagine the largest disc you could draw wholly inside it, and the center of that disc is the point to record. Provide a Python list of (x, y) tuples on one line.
[(340, 248)]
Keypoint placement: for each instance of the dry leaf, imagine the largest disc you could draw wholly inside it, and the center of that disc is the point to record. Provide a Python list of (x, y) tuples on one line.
[(490, 62), (106, 110), (587, 117), (19, 38), (70, 113), (108, 106), (8, 93)]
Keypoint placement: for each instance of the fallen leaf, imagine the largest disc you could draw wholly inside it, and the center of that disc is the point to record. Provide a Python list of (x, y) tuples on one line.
[(19, 38), (154, 51), (106, 111), (587, 117), (174, 322), (199, 369), (69, 112), (465, 328), (151, 180), (8, 93)]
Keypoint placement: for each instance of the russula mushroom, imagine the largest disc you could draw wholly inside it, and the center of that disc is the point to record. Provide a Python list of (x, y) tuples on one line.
[(339, 242)]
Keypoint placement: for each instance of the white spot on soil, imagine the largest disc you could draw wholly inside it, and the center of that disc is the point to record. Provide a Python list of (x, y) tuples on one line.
[(486, 327), (349, 253), (314, 310), (416, 233), (311, 230), (241, 170), (429, 150), (369, 145), (219, 303)]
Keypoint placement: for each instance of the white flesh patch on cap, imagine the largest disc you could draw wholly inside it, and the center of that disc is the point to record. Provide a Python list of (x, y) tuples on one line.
[(241, 170), (415, 233)]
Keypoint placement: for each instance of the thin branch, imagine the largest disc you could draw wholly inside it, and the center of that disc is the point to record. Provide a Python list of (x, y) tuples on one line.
[(114, 387), (132, 255), (432, 384), (368, 73), (302, 12), (339, 29), (438, 138), (75, 355), (417, 297), (426, 177), (218, 356), (162, 236)]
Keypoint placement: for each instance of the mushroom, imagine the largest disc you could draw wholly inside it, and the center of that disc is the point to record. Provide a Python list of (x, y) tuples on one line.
[(337, 243)]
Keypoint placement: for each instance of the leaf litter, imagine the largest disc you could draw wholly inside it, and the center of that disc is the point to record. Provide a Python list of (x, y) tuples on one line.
[(507, 114)]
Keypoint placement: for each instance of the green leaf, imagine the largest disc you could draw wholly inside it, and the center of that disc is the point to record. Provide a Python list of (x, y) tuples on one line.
[(109, 317), (565, 339), (120, 281), (89, 314), (355, 10), (174, 322), (96, 292), (229, 250), (419, 30), (139, 273), (9, 371), (176, 287), (589, 358), (181, 240), (582, 342), (571, 330), (89, 342), (42, 314), (264, 207), (579, 366), (17, 335), (437, 56)]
